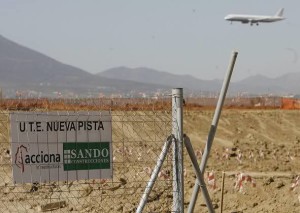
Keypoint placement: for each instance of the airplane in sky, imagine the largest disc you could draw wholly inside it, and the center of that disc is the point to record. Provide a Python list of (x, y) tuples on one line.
[(255, 19)]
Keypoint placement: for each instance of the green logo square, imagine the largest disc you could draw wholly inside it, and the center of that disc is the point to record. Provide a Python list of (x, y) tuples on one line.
[(86, 156)]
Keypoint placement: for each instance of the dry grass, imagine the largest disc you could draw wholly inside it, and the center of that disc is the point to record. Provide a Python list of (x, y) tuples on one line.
[(124, 104)]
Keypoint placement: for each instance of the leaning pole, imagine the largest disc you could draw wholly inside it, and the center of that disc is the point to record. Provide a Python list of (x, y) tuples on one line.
[(213, 129)]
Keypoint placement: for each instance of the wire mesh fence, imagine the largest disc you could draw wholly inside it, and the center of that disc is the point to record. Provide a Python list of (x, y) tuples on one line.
[(138, 135)]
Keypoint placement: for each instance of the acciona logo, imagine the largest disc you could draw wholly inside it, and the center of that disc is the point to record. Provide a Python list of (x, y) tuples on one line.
[(23, 157), (86, 156), (19, 157)]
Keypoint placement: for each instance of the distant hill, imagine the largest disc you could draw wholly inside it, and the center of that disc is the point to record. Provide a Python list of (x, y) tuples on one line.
[(259, 84), (282, 85), (24, 69), (151, 76)]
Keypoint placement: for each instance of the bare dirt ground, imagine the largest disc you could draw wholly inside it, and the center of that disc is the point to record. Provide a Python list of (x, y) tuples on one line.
[(264, 144)]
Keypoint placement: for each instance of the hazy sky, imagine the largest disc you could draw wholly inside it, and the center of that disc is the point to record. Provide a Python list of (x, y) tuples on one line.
[(181, 37)]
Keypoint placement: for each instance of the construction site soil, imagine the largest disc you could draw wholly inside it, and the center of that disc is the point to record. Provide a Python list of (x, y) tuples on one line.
[(264, 144)]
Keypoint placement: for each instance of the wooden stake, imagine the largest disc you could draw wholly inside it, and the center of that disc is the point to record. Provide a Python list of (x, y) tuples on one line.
[(222, 191)]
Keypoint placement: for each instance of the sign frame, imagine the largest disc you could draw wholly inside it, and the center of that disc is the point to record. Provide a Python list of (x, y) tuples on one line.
[(38, 140)]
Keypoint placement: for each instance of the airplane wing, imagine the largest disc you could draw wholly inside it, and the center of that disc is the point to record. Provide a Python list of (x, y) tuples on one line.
[(262, 19), (256, 20)]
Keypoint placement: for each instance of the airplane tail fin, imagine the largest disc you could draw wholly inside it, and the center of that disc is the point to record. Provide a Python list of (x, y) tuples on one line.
[(279, 12)]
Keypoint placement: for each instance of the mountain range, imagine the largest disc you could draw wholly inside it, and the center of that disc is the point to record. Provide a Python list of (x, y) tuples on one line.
[(29, 72), (255, 85)]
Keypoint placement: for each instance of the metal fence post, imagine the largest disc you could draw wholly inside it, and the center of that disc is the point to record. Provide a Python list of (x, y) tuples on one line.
[(177, 131)]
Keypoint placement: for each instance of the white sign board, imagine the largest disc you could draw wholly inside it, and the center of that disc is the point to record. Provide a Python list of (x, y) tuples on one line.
[(61, 146)]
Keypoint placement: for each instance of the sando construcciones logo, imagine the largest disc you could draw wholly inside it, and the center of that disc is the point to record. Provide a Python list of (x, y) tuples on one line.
[(86, 156)]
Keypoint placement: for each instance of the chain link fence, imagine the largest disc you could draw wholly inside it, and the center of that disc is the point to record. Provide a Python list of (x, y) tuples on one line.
[(139, 130)]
